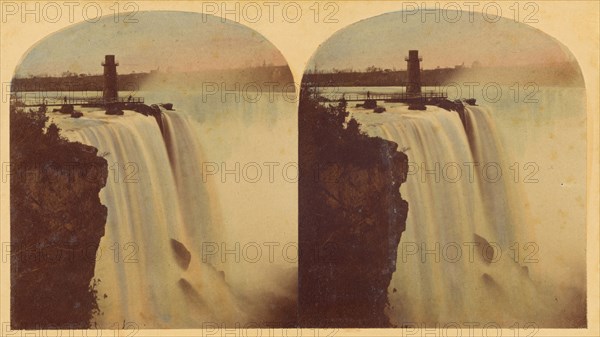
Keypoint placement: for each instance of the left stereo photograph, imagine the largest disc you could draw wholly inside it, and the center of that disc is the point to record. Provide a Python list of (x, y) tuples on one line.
[(153, 177)]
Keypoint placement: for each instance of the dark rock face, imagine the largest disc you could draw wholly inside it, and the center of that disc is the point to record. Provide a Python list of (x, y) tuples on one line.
[(142, 108), (459, 107), (417, 106), (167, 106), (370, 104), (57, 221), (351, 217), (147, 110), (182, 255), (114, 110), (67, 109)]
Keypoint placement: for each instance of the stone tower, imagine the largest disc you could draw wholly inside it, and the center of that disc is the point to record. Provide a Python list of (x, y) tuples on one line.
[(111, 92), (414, 72)]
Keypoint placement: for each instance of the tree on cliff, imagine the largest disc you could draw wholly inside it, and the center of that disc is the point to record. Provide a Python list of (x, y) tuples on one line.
[(56, 220), (351, 216)]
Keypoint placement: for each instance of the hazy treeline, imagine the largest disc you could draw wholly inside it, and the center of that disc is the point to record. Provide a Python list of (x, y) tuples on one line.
[(74, 83), (139, 81), (559, 74)]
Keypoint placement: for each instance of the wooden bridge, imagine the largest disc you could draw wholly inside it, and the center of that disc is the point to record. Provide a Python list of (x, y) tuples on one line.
[(395, 97), (95, 101)]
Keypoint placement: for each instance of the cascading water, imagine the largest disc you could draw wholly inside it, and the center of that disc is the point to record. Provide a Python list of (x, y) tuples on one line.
[(201, 224), (201, 217), (153, 197), (456, 261)]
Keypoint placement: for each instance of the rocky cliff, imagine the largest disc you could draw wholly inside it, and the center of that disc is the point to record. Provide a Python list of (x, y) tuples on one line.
[(57, 221), (351, 217)]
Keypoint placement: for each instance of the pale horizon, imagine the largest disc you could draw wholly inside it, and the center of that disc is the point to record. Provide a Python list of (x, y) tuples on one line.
[(166, 40), (383, 41)]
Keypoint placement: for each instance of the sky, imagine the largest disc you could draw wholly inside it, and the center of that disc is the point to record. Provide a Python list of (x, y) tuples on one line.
[(176, 41), (384, 41)]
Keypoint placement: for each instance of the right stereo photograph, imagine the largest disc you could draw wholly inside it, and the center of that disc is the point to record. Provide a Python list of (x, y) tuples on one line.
[(442, 177)]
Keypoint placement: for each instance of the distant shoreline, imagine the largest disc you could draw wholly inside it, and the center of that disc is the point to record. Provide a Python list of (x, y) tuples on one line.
[(562, 74), (261, 76)]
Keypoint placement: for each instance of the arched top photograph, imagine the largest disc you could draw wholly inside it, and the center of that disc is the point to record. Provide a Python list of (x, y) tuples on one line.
[(457, 131), (144, 137)]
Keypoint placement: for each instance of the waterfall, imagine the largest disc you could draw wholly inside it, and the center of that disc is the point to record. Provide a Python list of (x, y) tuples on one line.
[(154, 195), (456, 260), (201, 217)]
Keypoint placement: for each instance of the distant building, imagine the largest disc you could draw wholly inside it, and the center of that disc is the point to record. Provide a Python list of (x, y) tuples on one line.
[(414, 72), (111, 91)]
